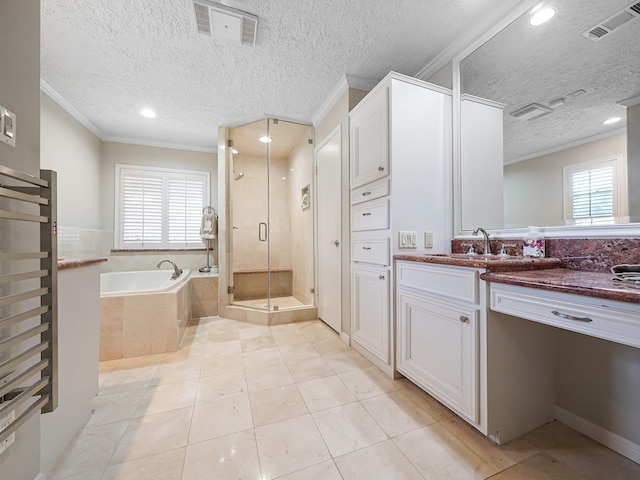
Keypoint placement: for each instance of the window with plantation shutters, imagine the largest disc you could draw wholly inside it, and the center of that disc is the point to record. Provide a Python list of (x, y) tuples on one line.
[(592, 194), (159, 208)]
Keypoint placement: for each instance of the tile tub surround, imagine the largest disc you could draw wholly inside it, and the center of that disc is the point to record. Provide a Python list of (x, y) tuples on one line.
[(144, 324), (204, 294), (300, 406)]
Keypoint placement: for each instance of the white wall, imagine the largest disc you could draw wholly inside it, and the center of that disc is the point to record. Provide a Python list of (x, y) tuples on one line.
[(20, 93), (73, 151), (533, 188)]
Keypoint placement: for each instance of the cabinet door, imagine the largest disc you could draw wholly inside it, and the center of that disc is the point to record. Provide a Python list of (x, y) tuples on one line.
[(370, 310), (437, 349), (369, 140)]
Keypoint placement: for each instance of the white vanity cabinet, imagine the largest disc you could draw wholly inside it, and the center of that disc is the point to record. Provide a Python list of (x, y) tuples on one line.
[(439, 310), (400, 159)]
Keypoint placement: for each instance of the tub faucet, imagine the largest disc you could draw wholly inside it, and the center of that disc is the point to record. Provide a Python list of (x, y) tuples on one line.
[(487, 244), (176, 271)]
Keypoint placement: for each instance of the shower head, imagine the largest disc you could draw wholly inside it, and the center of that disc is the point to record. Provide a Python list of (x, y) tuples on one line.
[(237, 175)]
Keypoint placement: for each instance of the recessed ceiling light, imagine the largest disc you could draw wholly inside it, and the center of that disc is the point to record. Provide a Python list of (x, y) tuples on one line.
[(542, 15), (265, 139), (147, 112), (612, 120), (234, 151)]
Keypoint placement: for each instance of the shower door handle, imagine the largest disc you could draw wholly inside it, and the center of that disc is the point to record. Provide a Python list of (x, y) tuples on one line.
[(262, 233)]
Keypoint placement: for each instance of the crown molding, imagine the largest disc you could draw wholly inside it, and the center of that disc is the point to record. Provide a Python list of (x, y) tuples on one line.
[(149, 143), (70, 109), (346, 82)]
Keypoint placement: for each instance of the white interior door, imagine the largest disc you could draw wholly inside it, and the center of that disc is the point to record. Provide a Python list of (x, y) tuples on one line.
[(328, 188)]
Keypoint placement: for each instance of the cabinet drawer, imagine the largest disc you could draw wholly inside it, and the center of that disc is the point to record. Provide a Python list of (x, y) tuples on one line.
[(614, 321), (370, 216), (459, 283), (370, 251), (370, 192)]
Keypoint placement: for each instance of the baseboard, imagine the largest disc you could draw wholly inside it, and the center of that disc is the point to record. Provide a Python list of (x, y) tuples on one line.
[(345, 338), (609, 439)]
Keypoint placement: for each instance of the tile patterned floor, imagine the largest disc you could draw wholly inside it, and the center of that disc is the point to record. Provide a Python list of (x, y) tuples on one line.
[(292, 402)]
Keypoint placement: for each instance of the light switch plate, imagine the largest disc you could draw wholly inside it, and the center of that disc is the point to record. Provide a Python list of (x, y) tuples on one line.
[(7, 126), (407, 239), (428, 239)]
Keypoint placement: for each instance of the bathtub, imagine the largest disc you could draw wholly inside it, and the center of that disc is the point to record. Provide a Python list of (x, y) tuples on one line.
[(146, 281), (142, 313)]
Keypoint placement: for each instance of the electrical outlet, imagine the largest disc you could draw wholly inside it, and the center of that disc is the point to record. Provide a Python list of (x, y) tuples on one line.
[(4, 423), (428, 239)]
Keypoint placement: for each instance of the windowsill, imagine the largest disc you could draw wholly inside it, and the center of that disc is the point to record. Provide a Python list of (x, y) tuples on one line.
[(156, 250)]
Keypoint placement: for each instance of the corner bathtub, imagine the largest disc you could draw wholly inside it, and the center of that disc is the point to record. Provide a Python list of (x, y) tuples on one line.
[(142, 313)]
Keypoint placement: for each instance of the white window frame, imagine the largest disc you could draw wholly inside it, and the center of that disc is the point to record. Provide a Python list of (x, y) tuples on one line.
[(619, 185), (165, 174)]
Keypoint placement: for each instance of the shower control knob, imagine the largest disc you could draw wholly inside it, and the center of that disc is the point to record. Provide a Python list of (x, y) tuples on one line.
[(335, 242)]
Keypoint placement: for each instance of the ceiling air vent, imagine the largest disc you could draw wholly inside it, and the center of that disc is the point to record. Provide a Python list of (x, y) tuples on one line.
[(531, 111), (615, 21), (225, 22)]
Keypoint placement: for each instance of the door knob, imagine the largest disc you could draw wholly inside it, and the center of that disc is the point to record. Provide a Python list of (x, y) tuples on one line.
[(335, 242)]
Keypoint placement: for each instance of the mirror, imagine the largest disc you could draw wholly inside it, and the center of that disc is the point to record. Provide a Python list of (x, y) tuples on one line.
[(559, 82)]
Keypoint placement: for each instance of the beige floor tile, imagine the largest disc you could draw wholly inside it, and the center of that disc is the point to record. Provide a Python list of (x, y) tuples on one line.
[(270, 376), (262, 358), (153, 434), (116, 407), (220, 417), (90, 450), (345, 361), (347, 428), (542, 466), (223, 335), (309, 368), (287, 337), (224, 348), (93, 475), (128, 379), (437, 453), (259, 343), (177, 372), (323, 393), (323, 471), (288, 446), (396, 413), (210, 388), (254, 332), (368, 382), (276, 404), (222, 364), (168, 397), (498, 456), (232, 457), (432, 406), (330, 345), (380, 461), (163, 466), (298, 351)]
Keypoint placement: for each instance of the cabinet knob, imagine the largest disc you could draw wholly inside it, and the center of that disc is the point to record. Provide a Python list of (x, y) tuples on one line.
[(464, 319), (381, 169), (335, 243), (381, 277)]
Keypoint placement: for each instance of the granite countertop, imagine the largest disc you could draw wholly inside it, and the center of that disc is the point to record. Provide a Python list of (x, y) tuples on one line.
[(493, 263), (592, 284), (76, 263)]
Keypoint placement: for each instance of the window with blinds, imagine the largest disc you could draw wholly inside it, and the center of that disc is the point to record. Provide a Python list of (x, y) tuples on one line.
[(159, 208), (591, 196)]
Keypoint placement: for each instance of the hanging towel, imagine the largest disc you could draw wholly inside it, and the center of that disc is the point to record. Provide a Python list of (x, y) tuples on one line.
[(209, 226)]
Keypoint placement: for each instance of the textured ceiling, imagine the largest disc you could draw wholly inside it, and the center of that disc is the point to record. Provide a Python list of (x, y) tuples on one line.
[(109, 59), (525, 64)]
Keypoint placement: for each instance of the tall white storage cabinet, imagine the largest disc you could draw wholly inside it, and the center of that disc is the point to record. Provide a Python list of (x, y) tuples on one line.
[(400, 182)]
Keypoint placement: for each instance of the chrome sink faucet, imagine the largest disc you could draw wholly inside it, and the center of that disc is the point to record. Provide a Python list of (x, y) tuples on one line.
[(176, 271), (487, 244)]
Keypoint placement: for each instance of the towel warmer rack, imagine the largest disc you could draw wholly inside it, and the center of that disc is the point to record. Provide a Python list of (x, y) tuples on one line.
[(28, 311)]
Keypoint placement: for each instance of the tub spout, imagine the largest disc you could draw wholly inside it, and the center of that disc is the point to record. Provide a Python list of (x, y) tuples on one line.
[(176, 271)]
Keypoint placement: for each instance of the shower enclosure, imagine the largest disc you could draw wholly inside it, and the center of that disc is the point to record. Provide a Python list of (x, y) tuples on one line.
[(269, 228)]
